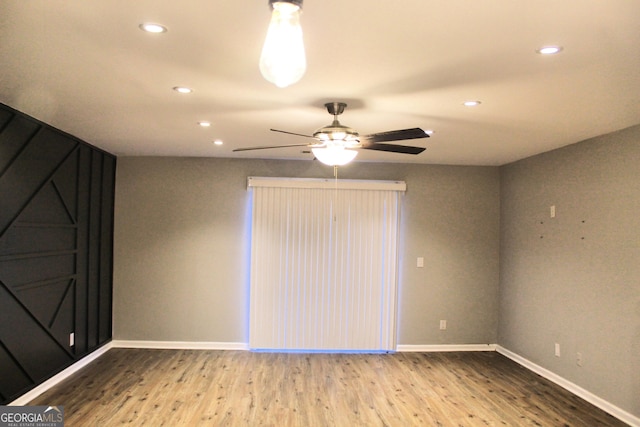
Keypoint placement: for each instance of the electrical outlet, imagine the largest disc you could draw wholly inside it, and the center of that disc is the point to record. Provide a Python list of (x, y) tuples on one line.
[(557, 350), (420, 262), (552, 211), (443, 325)]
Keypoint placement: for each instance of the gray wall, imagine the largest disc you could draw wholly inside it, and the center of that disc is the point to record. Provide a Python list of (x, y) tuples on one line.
[(182, 248), (182, 244), (575, 279)]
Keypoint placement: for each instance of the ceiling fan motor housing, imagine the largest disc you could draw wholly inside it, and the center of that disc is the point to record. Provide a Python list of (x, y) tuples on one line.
[(336, 132)]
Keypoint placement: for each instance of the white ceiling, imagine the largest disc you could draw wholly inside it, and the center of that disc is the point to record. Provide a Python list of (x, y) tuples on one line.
[(86, 68)]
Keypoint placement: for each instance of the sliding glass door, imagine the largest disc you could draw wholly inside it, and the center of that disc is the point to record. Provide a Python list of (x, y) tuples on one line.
[(324, 264)]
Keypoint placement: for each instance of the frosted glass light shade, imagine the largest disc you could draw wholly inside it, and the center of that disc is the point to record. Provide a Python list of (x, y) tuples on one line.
[(334, 156), (283, 60)]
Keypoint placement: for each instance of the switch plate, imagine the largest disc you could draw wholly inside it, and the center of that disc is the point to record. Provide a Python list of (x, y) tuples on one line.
[(552, 211), (579, 359), (443, 325), (557, 350), (420, 262), (72, 339)]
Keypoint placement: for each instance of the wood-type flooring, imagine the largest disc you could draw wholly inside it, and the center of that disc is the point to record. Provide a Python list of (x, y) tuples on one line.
[(142, 387)]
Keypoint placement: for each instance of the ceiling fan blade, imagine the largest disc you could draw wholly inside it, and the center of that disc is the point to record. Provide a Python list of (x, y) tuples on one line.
[(395, 135), (264, 147), (393, 148), (292, 133)]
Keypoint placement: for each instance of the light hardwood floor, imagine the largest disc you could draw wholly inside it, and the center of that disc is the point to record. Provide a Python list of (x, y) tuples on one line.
[(240, 388)]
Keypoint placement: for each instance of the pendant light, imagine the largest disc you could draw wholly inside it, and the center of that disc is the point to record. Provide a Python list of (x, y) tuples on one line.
[(283, 61)]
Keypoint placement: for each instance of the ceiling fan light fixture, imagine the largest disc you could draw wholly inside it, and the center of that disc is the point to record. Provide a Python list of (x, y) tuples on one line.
[(283, 61), (338, 136), (334, 155), (338, 133)]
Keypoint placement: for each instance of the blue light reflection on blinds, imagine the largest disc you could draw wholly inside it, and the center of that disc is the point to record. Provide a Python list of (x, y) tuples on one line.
[(324, 267)]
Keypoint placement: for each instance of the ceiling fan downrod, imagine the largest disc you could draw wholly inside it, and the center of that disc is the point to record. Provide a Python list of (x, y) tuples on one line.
[(335, 108)]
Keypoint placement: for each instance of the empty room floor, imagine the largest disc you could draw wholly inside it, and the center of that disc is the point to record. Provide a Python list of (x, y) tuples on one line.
[(237, 388)]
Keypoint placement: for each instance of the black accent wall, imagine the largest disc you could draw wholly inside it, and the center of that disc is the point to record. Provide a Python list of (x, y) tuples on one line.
[(56, 250)]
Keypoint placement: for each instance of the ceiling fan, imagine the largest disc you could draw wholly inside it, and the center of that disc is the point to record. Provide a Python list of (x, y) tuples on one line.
[(336, 143)]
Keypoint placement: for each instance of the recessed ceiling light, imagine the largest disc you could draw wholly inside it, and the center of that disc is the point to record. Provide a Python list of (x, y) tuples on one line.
[(549, 50), (218, 142), (471, 103), (182, 89), (204, 124), (153, 28)]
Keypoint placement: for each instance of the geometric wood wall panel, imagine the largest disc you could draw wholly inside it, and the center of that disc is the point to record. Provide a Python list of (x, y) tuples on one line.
[(35, 364), (48, 207), (56, 240), (13, 377)]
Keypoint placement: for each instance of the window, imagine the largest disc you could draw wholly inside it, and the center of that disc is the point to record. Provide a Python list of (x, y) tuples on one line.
[(324, 264)]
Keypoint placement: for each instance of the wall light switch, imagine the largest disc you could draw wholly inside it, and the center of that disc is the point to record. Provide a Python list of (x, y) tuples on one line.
[(72, 339), (552, 211), (557, 352), (420, 262), (443, 325)]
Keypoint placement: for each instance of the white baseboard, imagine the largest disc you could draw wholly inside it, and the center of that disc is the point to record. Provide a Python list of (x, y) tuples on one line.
[(63, 375), (621, 414), (180, 345), (444, 348)]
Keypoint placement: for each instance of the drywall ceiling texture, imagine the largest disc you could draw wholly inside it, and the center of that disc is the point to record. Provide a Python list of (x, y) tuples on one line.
[(574, 279), (86, 68), (181, 269)]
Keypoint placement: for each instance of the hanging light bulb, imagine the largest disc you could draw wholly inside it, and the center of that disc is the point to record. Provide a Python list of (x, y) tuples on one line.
[(283, 61)]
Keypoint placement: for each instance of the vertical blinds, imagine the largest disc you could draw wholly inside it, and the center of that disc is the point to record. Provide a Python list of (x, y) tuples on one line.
[(324, 264)]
